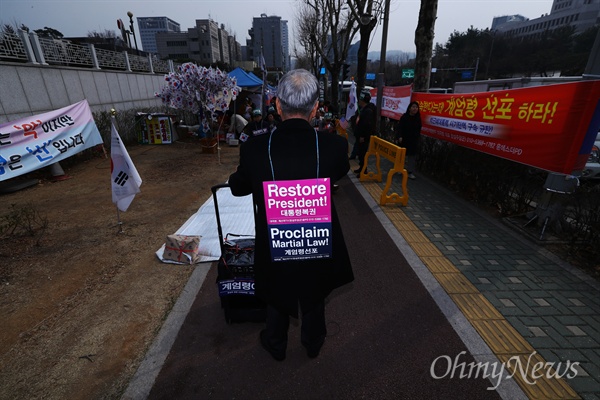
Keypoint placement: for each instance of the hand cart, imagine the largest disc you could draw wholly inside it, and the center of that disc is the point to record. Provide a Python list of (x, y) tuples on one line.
[(235, 274)]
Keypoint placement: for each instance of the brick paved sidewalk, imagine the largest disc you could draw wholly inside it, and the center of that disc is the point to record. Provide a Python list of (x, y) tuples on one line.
[(519, 297)]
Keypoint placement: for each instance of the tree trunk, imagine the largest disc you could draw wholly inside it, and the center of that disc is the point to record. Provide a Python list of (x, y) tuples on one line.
[(362, 56), (363, 53), (335, 87), (424, 35)]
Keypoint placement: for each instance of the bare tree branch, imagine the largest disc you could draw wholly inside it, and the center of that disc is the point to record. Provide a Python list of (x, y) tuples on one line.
[(366, 13), (327, 27)]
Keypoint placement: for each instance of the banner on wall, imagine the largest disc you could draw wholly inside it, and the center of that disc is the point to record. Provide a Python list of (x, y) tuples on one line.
[(548, 127), (31, 143), (155, 129), (160, 130)]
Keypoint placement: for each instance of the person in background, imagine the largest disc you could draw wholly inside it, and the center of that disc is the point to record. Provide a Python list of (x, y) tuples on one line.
[(327, 124), (258, 126), (352, 129), (316, 121), (408, 135), (295, 152), (248, 109), (237, 123), (273, 119), (364, 128)]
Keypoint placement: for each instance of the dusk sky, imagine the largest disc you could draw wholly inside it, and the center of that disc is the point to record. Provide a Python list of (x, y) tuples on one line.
[(78, 17)]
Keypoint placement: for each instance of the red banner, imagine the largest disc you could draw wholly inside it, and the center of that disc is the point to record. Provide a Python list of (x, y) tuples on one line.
[(395, 100), (549, 127)]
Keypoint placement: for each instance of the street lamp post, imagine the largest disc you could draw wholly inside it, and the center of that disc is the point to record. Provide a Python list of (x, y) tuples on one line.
[(130, 15), (381, 75)]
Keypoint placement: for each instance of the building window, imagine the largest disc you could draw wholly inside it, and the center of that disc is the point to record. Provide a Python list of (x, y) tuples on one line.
[(176, 43)]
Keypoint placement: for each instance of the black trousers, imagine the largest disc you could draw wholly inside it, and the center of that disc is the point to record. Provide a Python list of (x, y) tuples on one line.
[(361, 151), (312, 332)]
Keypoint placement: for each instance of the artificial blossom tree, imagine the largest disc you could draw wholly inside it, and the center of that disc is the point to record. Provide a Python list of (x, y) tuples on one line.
[(200, 90)]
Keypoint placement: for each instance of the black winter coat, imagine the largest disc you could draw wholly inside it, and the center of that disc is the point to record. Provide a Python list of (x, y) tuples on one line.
[(254, 129), (365, 125), (294, 155), (409, 129)]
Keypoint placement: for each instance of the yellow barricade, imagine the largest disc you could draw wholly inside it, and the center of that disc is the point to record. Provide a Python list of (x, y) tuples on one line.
[(379, 147), (340, 131)]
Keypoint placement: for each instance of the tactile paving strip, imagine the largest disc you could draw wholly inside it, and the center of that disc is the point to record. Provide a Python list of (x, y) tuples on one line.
[(516, 354), (455, 283), (439, 265)]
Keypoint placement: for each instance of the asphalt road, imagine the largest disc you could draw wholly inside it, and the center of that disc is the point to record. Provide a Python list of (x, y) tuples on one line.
[(385, 332)]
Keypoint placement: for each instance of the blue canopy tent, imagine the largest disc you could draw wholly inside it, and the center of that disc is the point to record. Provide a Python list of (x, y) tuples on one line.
[(245, 80), (272, 88), (269, 91)]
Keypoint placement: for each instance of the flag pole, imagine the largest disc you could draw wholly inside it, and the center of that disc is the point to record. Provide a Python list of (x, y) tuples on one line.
[(263, 68), (113, 120), (119, 223)]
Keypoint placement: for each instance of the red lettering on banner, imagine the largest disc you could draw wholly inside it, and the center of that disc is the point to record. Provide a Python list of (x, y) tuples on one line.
[(29, 129), (542, 126), (498, 108), (462, 107)]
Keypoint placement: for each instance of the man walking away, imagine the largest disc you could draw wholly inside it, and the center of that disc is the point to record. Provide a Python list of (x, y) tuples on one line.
[(279, 166)]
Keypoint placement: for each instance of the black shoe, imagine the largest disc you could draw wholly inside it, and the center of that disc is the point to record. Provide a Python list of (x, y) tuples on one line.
[(335, 188), (357, 170), (312, 353), (277, 355)]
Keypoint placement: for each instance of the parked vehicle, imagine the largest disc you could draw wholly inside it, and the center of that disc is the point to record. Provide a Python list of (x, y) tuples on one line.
[(592, 167), (491, 85), (440, 90)]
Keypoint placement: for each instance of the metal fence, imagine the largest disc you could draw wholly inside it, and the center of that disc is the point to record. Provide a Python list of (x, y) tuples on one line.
[(30, 48), (110, 60), (12, 48), (57, 52)]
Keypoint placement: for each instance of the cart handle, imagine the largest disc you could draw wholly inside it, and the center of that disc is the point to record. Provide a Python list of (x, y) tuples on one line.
[(214, 190)]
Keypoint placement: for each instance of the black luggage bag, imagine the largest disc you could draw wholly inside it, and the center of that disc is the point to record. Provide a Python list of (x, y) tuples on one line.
[(235, 274)]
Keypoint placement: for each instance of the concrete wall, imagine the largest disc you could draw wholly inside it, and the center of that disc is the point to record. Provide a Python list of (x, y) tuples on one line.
[(27, 89)]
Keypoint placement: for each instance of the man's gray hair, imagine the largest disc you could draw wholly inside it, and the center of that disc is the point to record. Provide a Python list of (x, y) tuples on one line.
[(298, 92)]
